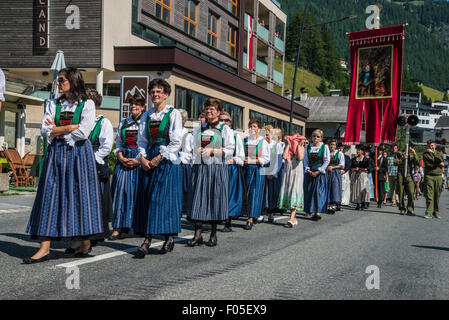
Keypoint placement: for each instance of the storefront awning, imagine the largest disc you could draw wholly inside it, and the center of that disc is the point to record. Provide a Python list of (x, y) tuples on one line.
[(13, 97)]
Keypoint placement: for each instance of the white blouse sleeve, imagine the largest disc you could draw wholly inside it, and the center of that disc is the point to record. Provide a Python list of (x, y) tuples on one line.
[(240, 152), (119, 146), (265, 154), (142, 141), (170, 152), (86, 124), (106, 141), (341, 160), (49, 114), (326, 160), (228, 142), (186, 153)]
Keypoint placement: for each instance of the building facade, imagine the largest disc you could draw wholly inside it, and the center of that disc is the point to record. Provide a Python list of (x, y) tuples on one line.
[(200, 47)]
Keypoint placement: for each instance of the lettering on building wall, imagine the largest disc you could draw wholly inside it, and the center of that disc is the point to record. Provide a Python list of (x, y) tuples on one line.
[(73, 20), (42, 24)]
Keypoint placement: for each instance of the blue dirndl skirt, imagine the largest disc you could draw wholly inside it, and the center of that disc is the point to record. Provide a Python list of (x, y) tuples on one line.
[(273, 191), (186, 186), (159, 203), (237, 190), (68, 199), (335, 185), (125, 182), (210, 201), (255, 183), (315, 191)]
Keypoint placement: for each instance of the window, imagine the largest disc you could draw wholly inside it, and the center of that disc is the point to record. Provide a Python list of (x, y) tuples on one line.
[(232, 41), (193, 103), (163, 9), (232, 6), (212, 30), (276, 123), (190, 17)]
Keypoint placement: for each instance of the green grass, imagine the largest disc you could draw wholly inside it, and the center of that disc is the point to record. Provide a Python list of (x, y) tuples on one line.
[(433, 94), (304, 79)]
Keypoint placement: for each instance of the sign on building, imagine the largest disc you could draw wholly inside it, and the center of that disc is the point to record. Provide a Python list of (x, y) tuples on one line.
[(129, 86), (42, 24)]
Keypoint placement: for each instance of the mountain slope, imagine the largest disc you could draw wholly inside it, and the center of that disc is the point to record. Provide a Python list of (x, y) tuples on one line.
[(427, 36)]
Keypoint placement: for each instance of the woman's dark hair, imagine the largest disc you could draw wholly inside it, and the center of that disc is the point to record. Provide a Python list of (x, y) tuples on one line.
[(256, 121), (159, 83), (137, 99), (77, 88), (214, 103)]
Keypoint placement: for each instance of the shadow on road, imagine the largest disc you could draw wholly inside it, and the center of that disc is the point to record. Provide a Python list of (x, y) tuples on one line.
[(431, 247)]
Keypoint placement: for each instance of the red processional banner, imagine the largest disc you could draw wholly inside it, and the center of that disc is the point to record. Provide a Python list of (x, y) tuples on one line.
[(249, 61), (376, 65)]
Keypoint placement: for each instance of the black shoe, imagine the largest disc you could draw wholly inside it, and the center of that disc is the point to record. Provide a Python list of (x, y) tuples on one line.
[(30, 260), (271, 218), (227, 228), (117, 237), (82, 255), (379, 205), (211, 243), (316, 217), (338, 207), (357, 207), (248, 226), (167, 247), (195, 242), (409, 213), (71, 250)]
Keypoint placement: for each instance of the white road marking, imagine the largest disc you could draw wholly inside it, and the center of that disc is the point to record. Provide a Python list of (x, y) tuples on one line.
[(110, 255), (16, 209), (127, 251)]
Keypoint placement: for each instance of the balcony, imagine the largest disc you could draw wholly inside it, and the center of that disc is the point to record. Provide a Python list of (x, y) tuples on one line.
[(279, 44), (278, 77), (261, 68), (263, 32)]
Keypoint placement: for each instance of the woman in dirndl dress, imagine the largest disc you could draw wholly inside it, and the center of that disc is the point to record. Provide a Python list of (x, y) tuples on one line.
[(213, 143), (345, 179), (159, 141), (335, 186), (101, 139), (274, 173), (125, 179), (68, 200), (257, 155), (237, 191), (186, 156), (316, 160), (292, 196), (359, 180)]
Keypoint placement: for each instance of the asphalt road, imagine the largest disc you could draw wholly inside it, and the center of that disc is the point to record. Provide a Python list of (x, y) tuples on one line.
[(315, 260)]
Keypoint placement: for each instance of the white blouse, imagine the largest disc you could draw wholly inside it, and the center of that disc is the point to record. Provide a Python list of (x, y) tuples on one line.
[(264, 157), (131, 125), (326, 157), (169, 152), (106, 138), (186, 153), (227, 147), (239, 157), (87, 121), (341, 158)]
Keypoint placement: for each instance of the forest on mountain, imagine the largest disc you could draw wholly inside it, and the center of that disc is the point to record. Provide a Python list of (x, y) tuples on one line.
[(427, 36)]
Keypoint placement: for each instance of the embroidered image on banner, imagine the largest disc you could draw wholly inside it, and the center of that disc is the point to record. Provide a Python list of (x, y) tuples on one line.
[(374, 72)]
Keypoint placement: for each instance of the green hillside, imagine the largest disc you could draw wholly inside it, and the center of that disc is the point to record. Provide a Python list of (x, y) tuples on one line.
[(427, 35), (433, 94), (304, 79)]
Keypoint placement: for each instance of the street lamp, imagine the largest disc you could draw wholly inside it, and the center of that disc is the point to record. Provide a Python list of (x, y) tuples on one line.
[(292, 103)]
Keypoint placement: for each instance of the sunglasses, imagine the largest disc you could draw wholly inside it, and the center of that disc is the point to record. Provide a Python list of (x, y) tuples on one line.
[(226, 120), (316, 136)]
